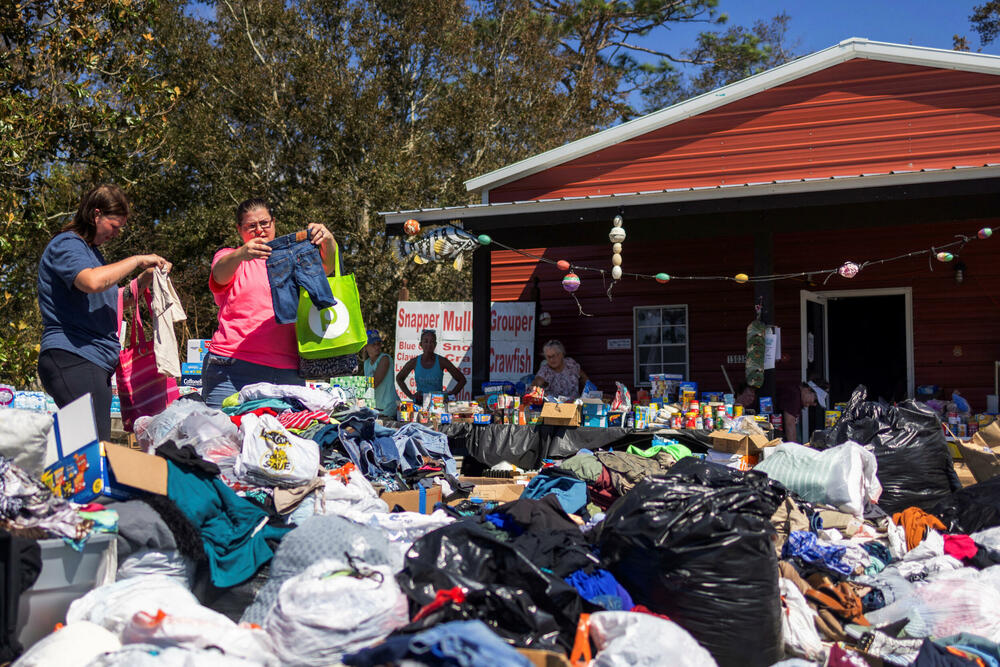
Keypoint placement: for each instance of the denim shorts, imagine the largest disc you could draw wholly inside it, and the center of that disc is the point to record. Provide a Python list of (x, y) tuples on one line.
[(296, 263), (222, 377)]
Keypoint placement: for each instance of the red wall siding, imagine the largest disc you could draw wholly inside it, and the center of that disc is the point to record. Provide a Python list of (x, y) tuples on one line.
[(944, 314), (718, 312), (862, 116)]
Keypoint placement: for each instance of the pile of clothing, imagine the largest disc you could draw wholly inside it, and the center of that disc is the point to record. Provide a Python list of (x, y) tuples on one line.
[(608, 475), (273, 545)]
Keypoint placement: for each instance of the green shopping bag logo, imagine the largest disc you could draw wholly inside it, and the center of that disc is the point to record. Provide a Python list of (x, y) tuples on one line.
[(329, 323), (335, 331)]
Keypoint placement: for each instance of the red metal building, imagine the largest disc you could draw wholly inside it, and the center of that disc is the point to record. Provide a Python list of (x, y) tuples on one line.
[(861, 152)]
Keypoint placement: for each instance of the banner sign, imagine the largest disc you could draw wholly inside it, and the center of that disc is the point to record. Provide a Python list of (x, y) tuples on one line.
[(512, 338)]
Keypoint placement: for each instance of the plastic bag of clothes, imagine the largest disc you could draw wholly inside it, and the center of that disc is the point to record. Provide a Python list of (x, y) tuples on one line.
[(956, 602), (971, 509), (114, 605), (334, 607), (695, 545), (842, 476), (626, 639), (503, 587), (798, 629), (24, 435), (316, 539), (915, 466), (73, 645), (272, 456), (220, 634)]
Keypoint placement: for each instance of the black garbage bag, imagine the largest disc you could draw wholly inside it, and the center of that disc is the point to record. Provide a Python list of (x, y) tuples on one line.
[(504, 589), (695, 544), (971, 509), (915, 466)]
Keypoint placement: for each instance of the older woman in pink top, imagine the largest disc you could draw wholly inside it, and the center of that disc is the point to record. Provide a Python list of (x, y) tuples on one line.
[(250, 346)]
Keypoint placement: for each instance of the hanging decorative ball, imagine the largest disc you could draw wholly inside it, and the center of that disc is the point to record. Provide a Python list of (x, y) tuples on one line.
[(563, 265), (484, 239), (945, 257), (571, 282), (616, 272), (985, 233), (618, 221), (545, 319), (663, 277), (617, 235), (616, 247), (741, 278), (849, 270), (616, 259), (411, 227)]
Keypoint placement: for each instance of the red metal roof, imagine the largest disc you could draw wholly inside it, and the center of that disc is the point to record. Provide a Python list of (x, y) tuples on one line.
[(861, 116)]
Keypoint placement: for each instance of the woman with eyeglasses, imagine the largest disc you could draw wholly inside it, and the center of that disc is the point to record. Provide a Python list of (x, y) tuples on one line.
[(78, 299), (249, 345), (428, 371)]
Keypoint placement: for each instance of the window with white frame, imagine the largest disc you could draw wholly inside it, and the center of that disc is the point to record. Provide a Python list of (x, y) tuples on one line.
[(661, 341)]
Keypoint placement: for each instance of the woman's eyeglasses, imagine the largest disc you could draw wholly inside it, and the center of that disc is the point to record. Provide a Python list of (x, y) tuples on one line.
[(263, 225)]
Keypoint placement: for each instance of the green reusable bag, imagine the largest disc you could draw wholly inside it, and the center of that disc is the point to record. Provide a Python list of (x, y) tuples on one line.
[(333, 331)]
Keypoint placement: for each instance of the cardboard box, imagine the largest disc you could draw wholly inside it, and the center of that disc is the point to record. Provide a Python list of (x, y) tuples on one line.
[(87, 469), (197, 348), (595, 422), (595, 408), (502, 493), (738, 443), (541, 658), (561, 414), (418, 500)]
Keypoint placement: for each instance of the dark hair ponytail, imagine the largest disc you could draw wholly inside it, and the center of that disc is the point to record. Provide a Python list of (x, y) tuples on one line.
[(107, 198)]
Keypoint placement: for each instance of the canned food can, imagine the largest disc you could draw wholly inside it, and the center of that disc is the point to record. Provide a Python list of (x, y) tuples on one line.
[(737, 410)]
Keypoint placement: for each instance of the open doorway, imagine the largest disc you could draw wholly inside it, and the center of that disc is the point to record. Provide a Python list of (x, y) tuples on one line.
[(867, 338), (858, 337)]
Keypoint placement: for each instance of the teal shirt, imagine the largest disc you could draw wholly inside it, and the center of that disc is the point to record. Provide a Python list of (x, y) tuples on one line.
[(429, 380), (385, 393)]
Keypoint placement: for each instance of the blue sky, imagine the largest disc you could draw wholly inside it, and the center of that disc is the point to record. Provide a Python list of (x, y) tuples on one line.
[(817, 24)]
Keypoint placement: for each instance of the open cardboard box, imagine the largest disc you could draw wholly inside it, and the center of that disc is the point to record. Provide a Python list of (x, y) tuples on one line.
[(561, 414), (416, 500), (86, 469), (982, 453), (738, 443)]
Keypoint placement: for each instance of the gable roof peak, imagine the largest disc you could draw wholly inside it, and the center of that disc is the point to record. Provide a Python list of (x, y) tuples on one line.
[(848, 49)]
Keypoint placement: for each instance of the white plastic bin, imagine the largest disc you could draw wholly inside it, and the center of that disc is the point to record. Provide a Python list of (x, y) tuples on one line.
[(66, 575)]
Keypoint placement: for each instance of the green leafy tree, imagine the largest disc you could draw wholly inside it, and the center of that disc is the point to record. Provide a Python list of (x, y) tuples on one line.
[(334, 110), (78, 104)]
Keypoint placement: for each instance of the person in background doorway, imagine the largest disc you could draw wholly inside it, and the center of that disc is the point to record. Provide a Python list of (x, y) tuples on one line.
[(560, 375), (746, 396), (377, 366), (428, 371), (78, 299), (791, 401)]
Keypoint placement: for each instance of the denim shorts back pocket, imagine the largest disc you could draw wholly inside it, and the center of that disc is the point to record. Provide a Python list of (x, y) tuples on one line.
[(279, 268), (309, 262)]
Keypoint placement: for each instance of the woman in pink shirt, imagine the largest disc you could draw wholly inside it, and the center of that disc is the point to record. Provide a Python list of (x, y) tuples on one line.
[(250, 346)]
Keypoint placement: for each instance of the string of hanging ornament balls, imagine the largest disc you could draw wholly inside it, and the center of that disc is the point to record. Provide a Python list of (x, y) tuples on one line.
[(457, 240)]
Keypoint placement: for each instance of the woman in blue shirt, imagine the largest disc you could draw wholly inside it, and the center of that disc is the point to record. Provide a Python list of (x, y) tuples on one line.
[(428, 371), (377, 367), (78, 299)]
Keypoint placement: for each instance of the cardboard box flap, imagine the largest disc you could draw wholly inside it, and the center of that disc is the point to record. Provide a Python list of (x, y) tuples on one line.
[(137, 469), (559, 410), (990, 435)]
